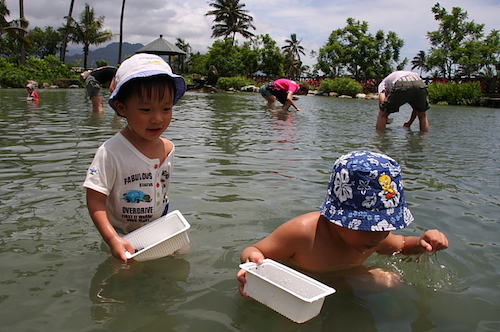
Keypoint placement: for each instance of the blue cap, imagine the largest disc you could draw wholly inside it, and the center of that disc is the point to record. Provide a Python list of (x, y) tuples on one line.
[(366, 193)]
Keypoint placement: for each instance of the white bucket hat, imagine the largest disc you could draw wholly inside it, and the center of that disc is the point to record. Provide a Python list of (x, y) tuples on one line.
[(146, 65)]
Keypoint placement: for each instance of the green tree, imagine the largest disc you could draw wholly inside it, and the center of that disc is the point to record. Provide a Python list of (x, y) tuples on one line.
[(453, 42), (225, 56), (230, 19), (4, 11), (491, 54), (88, 31), (180, 60), (292, 51), (197, 63), (44, 42), (293, 47), (271, 58), (420, 62), (250, 57), (12, 34), (353, 50)]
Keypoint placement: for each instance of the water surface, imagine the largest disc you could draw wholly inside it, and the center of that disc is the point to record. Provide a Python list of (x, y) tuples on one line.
[(240, 171)]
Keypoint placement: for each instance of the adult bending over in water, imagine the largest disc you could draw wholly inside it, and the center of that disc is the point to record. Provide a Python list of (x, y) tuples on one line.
[(397, 89), (283, 90), (364, 203), (93, 81)]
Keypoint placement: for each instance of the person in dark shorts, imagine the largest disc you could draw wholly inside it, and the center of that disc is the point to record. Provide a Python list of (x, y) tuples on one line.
[(282, 90), (93, 81), (397, 89)]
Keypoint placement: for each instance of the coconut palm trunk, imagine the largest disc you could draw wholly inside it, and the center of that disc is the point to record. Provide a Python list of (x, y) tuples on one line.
[(121, 34), (23, 46), (64, 45)]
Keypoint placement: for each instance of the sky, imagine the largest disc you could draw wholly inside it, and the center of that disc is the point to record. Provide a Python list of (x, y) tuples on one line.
[(311, 20)]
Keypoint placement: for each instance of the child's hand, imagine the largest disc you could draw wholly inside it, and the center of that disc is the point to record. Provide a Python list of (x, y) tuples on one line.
[(242, 278), (434, 240), (255, 257), (119, 246)]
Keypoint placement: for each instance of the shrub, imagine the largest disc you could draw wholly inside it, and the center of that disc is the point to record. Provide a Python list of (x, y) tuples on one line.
[(237, 82), (341, 85), (313, 83), (12, 75), (48, 69), (370, 86), (455, 93), (101, 63)]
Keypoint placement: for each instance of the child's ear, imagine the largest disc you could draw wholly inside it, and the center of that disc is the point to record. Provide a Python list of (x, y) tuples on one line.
[(120, 107)]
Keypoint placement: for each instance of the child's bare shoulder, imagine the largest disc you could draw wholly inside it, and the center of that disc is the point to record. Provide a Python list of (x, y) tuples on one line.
[(303, 224)]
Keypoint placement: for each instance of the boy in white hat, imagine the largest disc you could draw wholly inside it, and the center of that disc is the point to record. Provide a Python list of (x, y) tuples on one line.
[(127, 182), (364, 204), (32, 95)]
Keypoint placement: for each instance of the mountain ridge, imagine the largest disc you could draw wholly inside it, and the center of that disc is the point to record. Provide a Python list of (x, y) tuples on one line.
[(108, 53)]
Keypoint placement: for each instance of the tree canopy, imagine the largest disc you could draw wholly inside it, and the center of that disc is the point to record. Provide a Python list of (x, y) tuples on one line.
[(459, 47), (230, 19), (88, 31), (354, 51), (292, 51)]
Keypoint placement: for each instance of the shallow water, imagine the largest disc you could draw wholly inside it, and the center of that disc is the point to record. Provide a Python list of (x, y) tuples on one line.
[(240, 171)]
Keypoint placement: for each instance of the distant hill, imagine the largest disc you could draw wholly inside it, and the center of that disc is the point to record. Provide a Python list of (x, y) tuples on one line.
[(108, 53)]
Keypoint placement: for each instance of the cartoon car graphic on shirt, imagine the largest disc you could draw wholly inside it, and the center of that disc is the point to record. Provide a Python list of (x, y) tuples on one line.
[(136, 196)]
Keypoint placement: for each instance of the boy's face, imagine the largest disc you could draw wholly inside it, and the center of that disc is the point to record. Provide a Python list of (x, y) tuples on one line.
[(362, 241), (147, 118)]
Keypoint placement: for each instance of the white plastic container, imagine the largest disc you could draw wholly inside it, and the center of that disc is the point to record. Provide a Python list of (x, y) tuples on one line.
[(289, 292), (159, 238)]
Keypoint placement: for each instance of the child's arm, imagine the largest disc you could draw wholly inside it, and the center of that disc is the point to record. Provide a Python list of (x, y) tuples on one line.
[(96, 204), (281, 244), (432, 240)]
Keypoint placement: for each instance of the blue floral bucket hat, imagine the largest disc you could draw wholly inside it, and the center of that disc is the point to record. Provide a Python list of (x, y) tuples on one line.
[(366, 193)]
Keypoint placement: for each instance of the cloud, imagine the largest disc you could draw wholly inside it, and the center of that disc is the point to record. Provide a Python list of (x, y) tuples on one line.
[(311, 20)]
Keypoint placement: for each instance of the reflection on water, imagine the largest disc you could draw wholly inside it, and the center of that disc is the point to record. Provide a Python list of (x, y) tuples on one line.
[(133, 295), (240, 171)]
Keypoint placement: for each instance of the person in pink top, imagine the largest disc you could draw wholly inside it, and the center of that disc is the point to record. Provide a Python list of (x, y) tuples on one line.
[(282, 90)]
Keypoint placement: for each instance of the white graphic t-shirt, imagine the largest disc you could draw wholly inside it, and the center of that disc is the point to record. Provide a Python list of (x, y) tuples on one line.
[(136, 186)]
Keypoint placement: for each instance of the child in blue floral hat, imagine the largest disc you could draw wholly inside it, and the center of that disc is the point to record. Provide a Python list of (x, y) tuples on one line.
[(364, 203)]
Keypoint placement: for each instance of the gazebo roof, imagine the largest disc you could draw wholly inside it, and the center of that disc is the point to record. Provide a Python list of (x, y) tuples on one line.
[(161, 47)]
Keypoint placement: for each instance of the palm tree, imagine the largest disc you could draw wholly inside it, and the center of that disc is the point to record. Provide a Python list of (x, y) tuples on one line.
[(181, 59), (22, 19), (420, 62), (121, 34), (15, 29), (292, 51), (230, 19), (65, 31), (88, 31), (4, 11), (293, 47)]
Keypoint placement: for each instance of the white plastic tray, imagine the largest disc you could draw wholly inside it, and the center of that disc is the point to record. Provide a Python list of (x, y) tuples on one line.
[(159, 238), (285, 290)]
